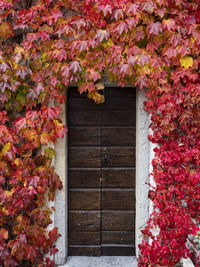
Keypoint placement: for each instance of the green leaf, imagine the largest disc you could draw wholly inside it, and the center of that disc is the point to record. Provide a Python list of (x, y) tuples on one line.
[(107, 44), (21, 97), (49, 152)]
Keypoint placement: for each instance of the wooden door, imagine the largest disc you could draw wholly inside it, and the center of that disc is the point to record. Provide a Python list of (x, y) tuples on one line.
[(101, 162)]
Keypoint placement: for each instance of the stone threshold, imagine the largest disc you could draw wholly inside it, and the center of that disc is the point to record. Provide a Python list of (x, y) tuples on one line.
[(103, 261), (187, 262)]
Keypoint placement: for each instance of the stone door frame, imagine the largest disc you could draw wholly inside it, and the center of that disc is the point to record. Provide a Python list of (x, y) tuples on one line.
[(143, 166)]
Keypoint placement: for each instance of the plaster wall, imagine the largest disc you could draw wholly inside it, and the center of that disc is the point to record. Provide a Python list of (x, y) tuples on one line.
[(61, 205), (142, 167)]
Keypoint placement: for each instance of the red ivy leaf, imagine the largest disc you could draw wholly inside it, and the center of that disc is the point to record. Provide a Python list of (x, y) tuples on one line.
[(105, 9), (169, 24), (3, 117), (31, 253), (170, 52), (39, 88), (102, 35), (4, 67), (59, 54), (92, 75), (143, 59), (87, 86), (118, 14), (141, 82), (132, 60), (65, 71), (63, 29), (79, 23), (53, 17), (20, 123), (82, 46), (131, 22), (139, 35), (34, 181), (23, 72), (50, 113), (43, 35), (2, 180), (124, 69), (53, 235), (155, 28), (149, 7), (75, 67), (11, 262), (132, 9), (121, 27)]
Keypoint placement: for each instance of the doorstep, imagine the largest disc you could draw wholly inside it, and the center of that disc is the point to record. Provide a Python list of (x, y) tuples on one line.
[(102, 261)]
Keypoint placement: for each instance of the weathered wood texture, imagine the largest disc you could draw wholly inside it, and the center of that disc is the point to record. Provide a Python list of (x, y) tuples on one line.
[(85, 199), (118, 199), (84, 221), (102, 174)]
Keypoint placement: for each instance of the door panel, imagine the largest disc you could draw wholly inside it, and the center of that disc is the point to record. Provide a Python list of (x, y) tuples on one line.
[(85, 118), (78, 178), (118, 178), (113, 103), (115, 220), (87, 238), (116, 237), (85, 136), (84, 157), (117, 250), (118, 199), (118, 157), (85, 199), (76, 250), (101, 174), (118, 136), (76, 103), (118, 117), (86, 221)]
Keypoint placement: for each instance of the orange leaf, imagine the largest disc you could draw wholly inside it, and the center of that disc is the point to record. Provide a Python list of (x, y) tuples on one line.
[(6, 30), (3, 233)]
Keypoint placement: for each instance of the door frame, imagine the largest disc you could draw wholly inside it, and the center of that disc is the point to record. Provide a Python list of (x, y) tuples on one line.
[(144, 157)]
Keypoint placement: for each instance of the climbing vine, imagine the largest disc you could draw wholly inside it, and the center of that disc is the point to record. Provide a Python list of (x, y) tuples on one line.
[(46, 45)]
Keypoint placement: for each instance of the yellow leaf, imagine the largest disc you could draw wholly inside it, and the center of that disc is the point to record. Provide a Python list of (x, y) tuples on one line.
[(44, 138), (6, 148), (18, 162), (9, 194), (146, 70), (98, 98), (186, 62), (44, 56), (107, 44), (19, 50)]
